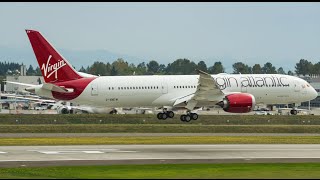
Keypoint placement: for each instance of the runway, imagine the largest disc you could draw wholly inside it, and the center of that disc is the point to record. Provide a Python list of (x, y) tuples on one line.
[(17, 156)]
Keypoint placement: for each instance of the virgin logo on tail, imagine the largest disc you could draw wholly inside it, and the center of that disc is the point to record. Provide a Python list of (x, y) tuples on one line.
[(50, 69)]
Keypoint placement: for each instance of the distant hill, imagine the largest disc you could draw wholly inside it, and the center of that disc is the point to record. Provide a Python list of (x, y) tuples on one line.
[(86, 58), (75, 57)]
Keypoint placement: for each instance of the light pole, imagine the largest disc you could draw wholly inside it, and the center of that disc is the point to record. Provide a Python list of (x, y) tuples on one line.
[(15, 98)]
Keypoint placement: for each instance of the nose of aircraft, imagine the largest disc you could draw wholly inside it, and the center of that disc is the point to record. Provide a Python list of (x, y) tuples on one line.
[(313, 93)]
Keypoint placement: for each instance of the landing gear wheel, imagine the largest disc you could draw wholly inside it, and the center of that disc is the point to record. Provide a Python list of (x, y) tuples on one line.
[(194, 116), (159, 116), (293, 112), (164, 116), (170, 114), (182, 118), (113, 111), (187, 118)]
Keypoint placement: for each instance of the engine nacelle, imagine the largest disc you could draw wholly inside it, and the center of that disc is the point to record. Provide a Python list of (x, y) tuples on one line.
[(238, 103), (64, 110)]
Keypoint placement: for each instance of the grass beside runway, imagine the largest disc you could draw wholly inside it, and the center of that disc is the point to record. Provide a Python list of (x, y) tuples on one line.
[(169, 171), (156, 128), (161, 140), (240, 119)]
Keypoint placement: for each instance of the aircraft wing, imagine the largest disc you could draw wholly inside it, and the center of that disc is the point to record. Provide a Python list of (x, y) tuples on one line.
[(207, 91)]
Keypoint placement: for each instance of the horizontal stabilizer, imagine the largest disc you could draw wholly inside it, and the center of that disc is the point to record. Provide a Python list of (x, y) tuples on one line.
[(52, 87), (47, 86), (22, 84)]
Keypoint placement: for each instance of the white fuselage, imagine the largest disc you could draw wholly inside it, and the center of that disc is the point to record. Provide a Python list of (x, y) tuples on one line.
[(163, 90)]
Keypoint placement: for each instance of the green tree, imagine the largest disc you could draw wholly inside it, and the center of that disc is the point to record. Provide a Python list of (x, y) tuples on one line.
[(303, 67), (31, 71), (162, 69), (113, 72), (256, 69), (82, 69), (216, 68), (38, 71), (268, 68), (152, 67), (98, 68), (141, 69), (316, 68), (202, 66), (181, 66), (240, 67), (122, 67), (281, 71), (290, 73)]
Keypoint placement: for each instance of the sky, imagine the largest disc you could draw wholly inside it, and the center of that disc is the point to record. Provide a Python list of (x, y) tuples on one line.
[(280, 33)]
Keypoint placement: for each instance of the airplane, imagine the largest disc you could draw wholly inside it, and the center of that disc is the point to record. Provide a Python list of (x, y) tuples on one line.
[(235, 93)]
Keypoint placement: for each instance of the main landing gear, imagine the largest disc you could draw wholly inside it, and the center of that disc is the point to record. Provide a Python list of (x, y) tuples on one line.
[(184, 118), (165, 114), (188, 117)]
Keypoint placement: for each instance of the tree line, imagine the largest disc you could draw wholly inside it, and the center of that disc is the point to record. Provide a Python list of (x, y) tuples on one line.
[(178, 67)]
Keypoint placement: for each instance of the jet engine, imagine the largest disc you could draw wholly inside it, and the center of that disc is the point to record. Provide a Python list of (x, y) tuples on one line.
[(64, 110), (238, 103)]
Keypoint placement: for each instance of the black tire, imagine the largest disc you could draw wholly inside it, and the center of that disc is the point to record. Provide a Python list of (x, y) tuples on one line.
[(159, 116), (294, 112), (64, 111), (113, 111), (182, 118), (170, 114), (194, 116), (164, 116), (187, 118)]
